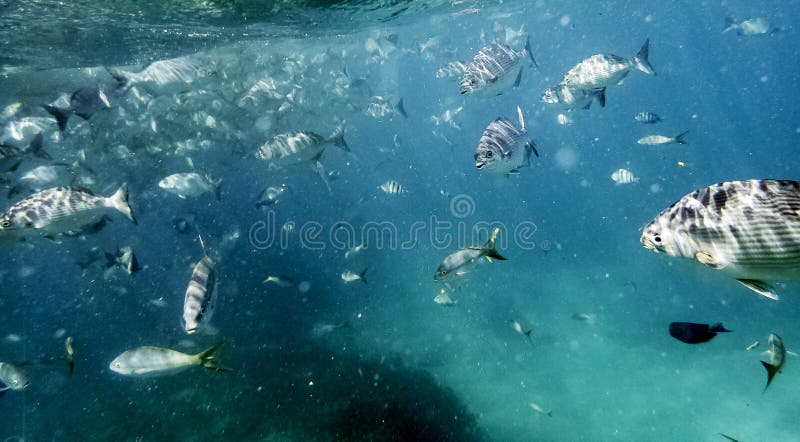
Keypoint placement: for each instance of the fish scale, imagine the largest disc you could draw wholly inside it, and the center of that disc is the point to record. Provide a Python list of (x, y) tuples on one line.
[(749, 229)]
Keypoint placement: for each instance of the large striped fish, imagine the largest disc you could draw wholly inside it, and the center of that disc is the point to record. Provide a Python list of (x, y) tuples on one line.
[(601, 70), (62, 210), (200, 299), (494, 69), (503, 148), (749, 230)]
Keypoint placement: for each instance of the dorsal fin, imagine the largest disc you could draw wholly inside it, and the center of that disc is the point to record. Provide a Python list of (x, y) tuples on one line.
[(202, 244), (521, 120)]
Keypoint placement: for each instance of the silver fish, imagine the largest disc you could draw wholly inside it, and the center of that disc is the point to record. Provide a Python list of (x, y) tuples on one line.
[(647, 117), (537, 408), (125, 259), (84, 103), (624, 176), (392, 187), (655, 140), (503, 148), (454, 263), (155, 361), (749, 230), (750, 27), (444, 299), (349, 276), (199, 301), (270, 195), (494, 69), (280, 280), (299, 147), (568, 97), (62, 210), (175, 72), (777, 356), (12, 377), (190, 185), (601, 70)]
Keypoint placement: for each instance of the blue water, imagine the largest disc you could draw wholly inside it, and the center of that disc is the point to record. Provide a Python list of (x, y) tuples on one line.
[(405, 368)]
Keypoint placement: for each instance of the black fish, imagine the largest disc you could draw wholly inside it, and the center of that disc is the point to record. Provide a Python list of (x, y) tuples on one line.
[(692, 333)]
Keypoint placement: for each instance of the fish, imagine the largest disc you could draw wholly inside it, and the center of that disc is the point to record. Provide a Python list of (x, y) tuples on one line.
[(84, 103), (655, 140), (750, 27), (321, 329), (190, 185), (692, 333), (647, 117), (380, 107), (455, 263), (503, 149), (392, 187), (624, 176), (13, 377), (569, 97), (354, 251), (70, 354), (280, 281), (518, 328), (586, 317), (537, 408), (752, 346), (125, 259), (199, 302), (444, 299), (749, 230), (494, 69), (12, 156), (728, 437), (602, 70), (165, 74), (43, 175), (564, 120), (349, 276), (777, 356), (155, 361), (62, 210), (270, 195)]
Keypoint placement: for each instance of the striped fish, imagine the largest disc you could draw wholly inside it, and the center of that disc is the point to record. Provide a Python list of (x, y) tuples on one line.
[(647, 117), (503, 148), (749, 230), (601, 70), (494, 69), (392, 187), (200, 299), (568, 97), (624, 176), (299, 147), (62, 210)]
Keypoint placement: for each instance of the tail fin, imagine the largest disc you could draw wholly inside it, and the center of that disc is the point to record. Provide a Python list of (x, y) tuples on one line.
[(317, 167), (530, 54), (771, 371), (337, 137), (363, 275), (119, 201), (679, 138), (216, 184), (600, 94), (488, 249), (61, 115), (119, 75), (401, 109), (641, 61), (36, 147), (719, 328), (208, 359), (730, 24)]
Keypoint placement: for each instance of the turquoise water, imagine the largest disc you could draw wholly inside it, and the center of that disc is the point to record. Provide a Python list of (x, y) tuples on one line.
[(392, 364)]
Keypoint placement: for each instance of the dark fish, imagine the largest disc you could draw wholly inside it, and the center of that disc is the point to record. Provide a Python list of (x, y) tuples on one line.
[(84, 103), (11, 156), (692, 333)]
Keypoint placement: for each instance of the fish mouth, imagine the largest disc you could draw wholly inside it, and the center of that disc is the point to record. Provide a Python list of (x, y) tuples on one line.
[(480, 165)]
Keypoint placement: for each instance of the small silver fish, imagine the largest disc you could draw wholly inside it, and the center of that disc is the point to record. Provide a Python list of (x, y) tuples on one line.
[(655, 140), (504, 149), (125, 259), (564, 120), (454, 263), (199, 301), (777, 356), (569, 97), (190, 185), (537, 408), (624, 176), (349, 276), (280, 280), (392, 187), (62, 210), (518, 328), (647, 117), (749, 230), (444, 299), (155, 361), (494, 69), (271, 195), (354, 251), (602, 70), (12, 378), (750, 27)]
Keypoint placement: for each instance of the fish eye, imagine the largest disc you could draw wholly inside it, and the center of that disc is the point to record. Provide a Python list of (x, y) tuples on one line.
[(489, 153), (657, 239), (5, 224)]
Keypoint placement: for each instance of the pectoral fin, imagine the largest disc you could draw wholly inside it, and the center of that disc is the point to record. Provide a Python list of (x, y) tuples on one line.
[(708, 259), (760, 287)]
